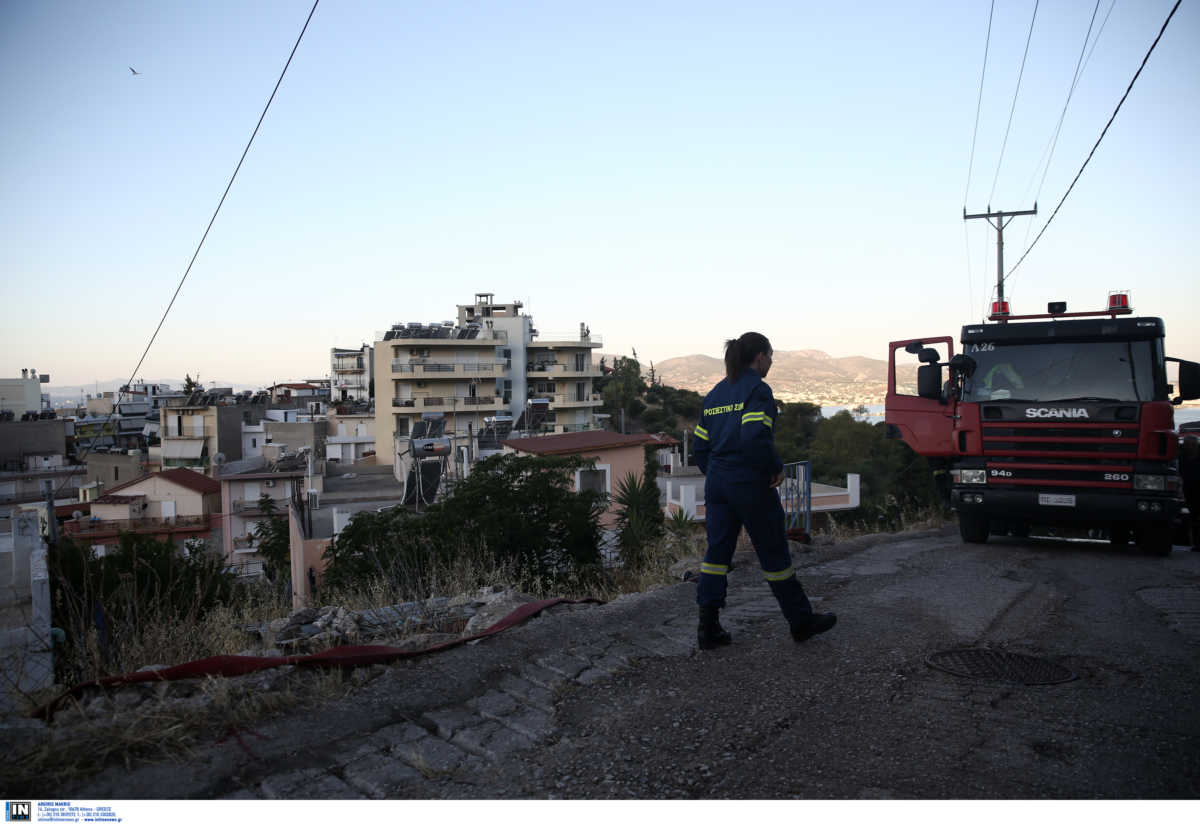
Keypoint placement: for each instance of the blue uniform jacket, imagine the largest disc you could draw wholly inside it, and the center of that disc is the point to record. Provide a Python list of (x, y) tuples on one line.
[(735, 436)]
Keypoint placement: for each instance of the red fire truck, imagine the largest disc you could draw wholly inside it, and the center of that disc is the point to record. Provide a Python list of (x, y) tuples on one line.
[(1051, 419)]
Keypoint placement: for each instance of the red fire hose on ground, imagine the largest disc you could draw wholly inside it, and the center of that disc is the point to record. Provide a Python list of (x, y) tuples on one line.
[(336, 657)]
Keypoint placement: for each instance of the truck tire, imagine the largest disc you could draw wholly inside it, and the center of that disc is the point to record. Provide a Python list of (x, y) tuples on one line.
[(1154, 539), (1119, 536), (972, 528)]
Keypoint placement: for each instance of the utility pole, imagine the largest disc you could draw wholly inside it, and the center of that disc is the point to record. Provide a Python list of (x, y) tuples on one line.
[(999, 227)]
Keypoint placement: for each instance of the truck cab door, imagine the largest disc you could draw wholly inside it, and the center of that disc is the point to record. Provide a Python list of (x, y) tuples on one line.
[(925, 424)]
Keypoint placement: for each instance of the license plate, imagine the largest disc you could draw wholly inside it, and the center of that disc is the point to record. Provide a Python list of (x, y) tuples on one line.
[(1056, 500)]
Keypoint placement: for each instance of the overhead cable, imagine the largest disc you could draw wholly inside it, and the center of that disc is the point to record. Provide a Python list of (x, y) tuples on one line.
[(1013, 108), (200, 245), (979, 102), (1097, 145)]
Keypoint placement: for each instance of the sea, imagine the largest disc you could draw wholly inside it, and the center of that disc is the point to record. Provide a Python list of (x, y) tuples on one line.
[(1183, 414)]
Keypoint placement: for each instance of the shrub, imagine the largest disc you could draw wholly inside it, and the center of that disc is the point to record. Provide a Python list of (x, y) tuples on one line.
[(520, 509)]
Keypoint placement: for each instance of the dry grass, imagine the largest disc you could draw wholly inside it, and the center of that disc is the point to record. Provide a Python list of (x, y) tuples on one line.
[(94, 733)]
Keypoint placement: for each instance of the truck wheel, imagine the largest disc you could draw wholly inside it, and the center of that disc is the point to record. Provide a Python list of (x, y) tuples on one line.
[(1154, 539), (972, 528), (1119, 536)]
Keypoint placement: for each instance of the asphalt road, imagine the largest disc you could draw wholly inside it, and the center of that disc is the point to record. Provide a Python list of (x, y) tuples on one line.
[(614, 701)]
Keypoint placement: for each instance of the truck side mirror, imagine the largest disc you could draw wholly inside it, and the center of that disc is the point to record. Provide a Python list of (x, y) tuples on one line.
[(929, 381), (963, 364), (1189, 381)]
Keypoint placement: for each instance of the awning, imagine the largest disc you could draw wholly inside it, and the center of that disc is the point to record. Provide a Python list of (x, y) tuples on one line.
[(174, 448)]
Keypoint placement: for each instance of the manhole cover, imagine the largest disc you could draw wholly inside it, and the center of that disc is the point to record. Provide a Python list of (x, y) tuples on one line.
[(993, 665)]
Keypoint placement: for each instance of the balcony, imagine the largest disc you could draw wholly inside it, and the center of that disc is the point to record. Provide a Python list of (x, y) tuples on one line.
[(192, 523), (567, 400), (252, 507), (556, 371), (435, 369), (450, 402), (566, 339)]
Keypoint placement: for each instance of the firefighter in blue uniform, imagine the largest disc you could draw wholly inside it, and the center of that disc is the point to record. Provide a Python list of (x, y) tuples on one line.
[(734, 446)]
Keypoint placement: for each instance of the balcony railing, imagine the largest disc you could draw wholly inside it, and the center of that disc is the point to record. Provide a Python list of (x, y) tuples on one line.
[(445, 402), (407, 367), (567, 399), (244, 507), (137, 525), (568, 337)]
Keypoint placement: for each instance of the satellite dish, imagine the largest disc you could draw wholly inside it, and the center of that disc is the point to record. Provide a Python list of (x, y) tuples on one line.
[(219, 459), (77, 515)]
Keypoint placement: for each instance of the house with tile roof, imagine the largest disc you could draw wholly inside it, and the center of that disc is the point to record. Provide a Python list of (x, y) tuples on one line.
[(616, 456), (178, 503)]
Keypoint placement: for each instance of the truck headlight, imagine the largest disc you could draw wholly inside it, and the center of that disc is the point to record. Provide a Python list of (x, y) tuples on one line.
[(969, 476), (1153, 483)]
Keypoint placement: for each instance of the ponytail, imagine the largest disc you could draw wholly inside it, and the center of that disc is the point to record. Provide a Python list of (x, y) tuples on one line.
[(741, 352)]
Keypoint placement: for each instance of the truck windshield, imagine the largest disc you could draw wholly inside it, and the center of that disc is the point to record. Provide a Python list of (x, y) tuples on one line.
[(1050, 372)]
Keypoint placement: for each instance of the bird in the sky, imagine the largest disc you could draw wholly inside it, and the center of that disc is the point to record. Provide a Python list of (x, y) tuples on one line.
[(134, 71)]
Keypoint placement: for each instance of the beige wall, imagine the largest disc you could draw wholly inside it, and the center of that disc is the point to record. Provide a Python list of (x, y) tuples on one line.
[(187, 503)]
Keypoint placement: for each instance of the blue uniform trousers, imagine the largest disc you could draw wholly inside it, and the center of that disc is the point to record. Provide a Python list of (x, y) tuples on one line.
[(730, 505)]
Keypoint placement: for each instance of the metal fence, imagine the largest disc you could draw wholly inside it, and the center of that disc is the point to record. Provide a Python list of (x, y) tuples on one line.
[(795, 493)]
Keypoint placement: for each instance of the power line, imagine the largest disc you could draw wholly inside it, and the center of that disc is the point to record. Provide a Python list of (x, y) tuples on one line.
[(200, 245), (978, 103), (1016, 92), (1048, 153), (1097, 145), (1079, 72)]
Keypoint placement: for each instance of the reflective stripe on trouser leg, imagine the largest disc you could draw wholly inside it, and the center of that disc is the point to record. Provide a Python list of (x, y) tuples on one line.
[(722, 524)]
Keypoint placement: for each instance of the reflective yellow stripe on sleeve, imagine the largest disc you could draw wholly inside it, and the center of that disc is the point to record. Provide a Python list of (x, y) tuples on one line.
[(781, 575), (714, 569), (758, 417), (701, 433)]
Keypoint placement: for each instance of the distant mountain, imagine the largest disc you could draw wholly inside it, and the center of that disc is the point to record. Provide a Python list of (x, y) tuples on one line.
[(802, 375)]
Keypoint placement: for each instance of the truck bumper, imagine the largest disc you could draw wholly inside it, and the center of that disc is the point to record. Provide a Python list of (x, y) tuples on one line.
[(1094, 508)]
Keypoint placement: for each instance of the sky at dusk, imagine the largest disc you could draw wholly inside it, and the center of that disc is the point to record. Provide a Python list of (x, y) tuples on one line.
[(670, 173)]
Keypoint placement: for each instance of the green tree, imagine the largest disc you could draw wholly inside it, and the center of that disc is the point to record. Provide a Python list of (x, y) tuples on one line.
[(190, 385), (623, 388), (273, 540), (795, 428), (520, 509)]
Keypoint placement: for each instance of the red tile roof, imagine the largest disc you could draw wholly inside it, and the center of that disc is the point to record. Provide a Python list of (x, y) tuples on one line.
[(180, 475), (576, 442)]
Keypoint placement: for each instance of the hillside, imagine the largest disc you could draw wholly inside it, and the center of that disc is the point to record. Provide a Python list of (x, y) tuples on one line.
[(801, 375)]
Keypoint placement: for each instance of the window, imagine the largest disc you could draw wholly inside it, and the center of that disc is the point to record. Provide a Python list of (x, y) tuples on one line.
[(592, 480), (116, 473), (254, 443)]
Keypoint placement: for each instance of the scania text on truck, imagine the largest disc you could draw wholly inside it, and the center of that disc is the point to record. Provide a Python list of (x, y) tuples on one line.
[(1051, 419)]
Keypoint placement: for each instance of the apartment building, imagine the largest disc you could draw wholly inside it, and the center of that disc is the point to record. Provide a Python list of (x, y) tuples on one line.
[(491, 361), (23, 396), (351, 372), (195, 429)]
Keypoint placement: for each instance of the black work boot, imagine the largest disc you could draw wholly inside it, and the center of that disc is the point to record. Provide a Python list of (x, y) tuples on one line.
[(817, 623), (711, 635)]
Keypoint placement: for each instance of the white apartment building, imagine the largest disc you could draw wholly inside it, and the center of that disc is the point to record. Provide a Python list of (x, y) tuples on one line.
[(351, 372), (492, 361)]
